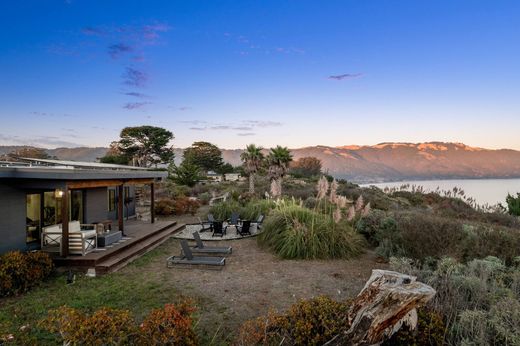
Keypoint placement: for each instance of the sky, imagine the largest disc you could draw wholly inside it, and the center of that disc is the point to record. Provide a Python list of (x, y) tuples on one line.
[(294, 73)]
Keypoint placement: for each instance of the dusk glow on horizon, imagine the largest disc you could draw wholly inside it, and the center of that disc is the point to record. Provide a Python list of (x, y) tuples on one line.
[(293, 73)]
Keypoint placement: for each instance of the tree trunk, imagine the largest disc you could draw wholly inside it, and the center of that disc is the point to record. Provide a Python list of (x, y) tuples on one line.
[(388, 300), (251, 183)]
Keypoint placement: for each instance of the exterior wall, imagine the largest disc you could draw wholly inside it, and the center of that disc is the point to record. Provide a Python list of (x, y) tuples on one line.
[(96, 205), (128, 209), (12, 219)]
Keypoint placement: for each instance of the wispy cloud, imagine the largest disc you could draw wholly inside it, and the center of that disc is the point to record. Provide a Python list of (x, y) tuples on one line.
[(247, 126), (93, 31), (116, 50), (37, 141), (246, 134), (134, 77), (47, 114), (135, 105), (136, 94), (345, 76)]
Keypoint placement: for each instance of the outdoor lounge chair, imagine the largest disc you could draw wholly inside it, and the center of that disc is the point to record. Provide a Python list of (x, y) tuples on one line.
[(187, 260), (205, 226), (82, 237), (200, 248), (244, 229), (218, 229)]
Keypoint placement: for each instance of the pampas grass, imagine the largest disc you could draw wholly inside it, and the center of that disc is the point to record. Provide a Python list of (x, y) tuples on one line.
[(295, 232)]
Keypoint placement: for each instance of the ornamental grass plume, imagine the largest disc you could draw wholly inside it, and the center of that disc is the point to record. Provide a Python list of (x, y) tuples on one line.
[(366, 210), (360, 203), (333, 196), (351, 213), (322, 187), (276, 189), (342, 201), (337, 215)]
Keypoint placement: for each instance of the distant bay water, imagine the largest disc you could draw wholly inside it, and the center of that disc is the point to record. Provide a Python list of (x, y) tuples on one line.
[(484, 191)]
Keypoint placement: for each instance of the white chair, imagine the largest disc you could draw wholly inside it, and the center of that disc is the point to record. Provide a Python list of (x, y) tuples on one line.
[(81, 241)]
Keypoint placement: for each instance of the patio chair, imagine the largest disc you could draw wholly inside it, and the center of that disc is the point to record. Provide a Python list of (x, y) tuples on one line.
[(200, 248), (187, 260), (211, 218), (244, 229), (259, 221), (218, 229), (234, 220), (205, 226)]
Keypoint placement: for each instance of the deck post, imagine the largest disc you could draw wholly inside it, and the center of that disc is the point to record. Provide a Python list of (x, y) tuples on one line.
[(65, 222), (120, 202), (152, 202)]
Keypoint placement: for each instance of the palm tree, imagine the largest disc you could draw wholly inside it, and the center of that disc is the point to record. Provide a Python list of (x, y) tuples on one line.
[(278, 160), (252, 158)]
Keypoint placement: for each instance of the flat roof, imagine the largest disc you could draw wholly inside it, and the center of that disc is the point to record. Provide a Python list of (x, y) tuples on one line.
[(73, 173)]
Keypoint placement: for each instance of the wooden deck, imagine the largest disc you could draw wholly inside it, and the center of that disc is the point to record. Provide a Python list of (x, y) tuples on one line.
[(142, 236)]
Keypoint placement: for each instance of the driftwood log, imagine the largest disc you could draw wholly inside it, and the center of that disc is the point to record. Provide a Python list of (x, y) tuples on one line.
[(388, 300)]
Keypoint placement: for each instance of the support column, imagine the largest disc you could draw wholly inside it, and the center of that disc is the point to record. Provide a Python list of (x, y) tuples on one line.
[(152, 202), (65, 222), (120, 202)]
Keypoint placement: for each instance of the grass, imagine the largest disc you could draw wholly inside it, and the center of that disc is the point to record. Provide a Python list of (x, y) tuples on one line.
[(134, 289)]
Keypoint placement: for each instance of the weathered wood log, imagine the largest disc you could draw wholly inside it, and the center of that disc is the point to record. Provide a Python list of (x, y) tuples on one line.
[(388, 300)]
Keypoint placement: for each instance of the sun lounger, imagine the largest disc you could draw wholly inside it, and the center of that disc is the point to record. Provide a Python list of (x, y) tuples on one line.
[(200, 248), (187, 260)]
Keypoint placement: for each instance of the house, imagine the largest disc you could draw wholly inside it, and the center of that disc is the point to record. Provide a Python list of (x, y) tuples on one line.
[(232, 177), (35, 194), (212, 176)]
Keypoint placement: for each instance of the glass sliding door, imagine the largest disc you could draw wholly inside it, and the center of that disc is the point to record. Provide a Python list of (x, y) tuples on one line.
[(33, 217), (51, 209), (76, 205)]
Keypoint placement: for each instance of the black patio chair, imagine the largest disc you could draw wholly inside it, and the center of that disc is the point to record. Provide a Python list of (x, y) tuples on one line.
[(244, 229), (218, 229), (205, 226), (234, 220)]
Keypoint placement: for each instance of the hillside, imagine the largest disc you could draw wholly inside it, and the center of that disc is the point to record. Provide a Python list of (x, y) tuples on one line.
[(382, 162)]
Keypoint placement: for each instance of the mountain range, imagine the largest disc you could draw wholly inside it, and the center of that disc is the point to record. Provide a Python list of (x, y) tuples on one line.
[(376, 163)]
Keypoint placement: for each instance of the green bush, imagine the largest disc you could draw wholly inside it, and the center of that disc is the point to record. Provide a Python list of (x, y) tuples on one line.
[(479, 301), (222, 211), (21, 271), (513, 204), (293, 231), (255, 207)]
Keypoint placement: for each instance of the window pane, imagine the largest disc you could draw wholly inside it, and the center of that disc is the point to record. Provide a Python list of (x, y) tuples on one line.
[(33, 217)]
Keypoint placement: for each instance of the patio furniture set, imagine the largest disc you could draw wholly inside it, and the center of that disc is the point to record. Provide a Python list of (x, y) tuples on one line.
[(242, 227), (83, 238)]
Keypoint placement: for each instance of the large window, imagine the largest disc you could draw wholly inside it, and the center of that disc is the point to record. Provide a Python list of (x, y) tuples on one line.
[(33, 217), (111, 199), (76, 205)]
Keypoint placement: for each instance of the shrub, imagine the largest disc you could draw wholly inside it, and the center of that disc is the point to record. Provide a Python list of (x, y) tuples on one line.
[(172, 325), (309, 322), (513, 204), (430, 331), (223, 210), (293, 231), (186, 205), (479, 301), (165, 207), (369, 225), (255, 207), (21, 271), (204, 198), (104, 327)]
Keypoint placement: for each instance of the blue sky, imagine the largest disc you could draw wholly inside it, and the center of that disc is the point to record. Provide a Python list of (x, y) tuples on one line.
[(295, 73)]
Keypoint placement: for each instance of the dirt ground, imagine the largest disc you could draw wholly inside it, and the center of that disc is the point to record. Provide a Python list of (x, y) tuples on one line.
[(254, 280)]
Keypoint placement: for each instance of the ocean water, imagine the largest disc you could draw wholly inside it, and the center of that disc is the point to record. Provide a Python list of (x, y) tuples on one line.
[(484, 191)]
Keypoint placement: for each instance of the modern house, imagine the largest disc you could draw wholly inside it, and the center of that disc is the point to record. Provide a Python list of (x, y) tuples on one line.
[(36, 194)]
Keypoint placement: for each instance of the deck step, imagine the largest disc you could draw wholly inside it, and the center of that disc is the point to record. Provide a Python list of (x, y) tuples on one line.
[(122, 258)]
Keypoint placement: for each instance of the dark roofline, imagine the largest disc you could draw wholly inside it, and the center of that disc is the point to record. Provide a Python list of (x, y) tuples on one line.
[(60, 173)]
